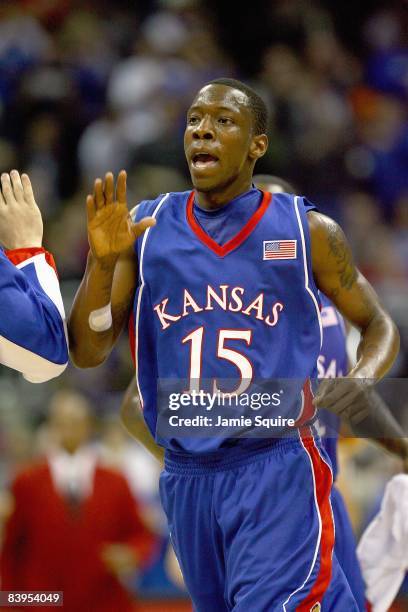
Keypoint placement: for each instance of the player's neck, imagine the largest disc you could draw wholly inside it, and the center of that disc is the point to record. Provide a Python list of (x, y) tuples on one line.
[(217, 198)]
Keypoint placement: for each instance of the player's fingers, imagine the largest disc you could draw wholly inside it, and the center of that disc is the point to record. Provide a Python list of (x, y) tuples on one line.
[(121, 187), (98, 194), (28, 189), (90, 207), (357, 416), (142, 225), (324, 388), (331, 401), (7, 189), (330, 392), (348, 395), (17, 186), (109, 188)]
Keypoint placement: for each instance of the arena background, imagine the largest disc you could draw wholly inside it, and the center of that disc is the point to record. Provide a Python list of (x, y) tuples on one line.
[(91, 86)]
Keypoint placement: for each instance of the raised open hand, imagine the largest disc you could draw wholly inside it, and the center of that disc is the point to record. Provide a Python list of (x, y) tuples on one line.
[(110, 227), (21, 224)]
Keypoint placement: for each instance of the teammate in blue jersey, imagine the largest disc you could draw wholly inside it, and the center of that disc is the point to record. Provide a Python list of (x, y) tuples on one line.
[(332, 363), (32, 333), (236, 298), (379, 425)]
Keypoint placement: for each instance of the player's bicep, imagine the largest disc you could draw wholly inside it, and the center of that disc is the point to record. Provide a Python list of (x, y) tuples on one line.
[(336, 274), (123, 290)]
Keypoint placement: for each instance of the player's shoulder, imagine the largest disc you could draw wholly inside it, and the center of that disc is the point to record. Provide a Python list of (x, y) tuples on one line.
[(148, 208), (293, 200)]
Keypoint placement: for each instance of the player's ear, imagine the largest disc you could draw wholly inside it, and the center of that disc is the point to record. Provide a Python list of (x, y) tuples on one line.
[(258, 146)]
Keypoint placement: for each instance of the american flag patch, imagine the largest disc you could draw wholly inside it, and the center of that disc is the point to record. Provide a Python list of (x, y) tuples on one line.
[(279, 249)]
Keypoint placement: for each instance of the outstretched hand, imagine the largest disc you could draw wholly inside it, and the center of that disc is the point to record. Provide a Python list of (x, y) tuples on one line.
[(21, 224), (110, 227)]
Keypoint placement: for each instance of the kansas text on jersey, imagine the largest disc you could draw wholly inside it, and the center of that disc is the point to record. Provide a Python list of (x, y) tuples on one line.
[(205, 311)]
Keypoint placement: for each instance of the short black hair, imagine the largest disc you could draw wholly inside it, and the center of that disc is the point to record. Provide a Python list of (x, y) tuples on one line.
[(269, 179), (256, 104)]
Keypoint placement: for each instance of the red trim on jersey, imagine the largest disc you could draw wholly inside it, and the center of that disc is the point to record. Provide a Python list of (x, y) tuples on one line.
[(323, 483), (308, 410), (132, 337), (17, 256), (238, 239)]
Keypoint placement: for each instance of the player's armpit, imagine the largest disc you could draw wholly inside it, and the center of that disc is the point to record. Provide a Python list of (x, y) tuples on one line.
[(101, 286)]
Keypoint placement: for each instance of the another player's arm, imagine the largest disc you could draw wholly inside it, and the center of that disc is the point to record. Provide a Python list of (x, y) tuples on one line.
[(32, 333), (337, 276), (110, 277), (381, 427), (134, 423)]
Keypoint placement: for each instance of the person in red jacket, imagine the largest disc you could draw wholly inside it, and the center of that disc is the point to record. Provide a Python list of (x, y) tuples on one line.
[(75, 526)]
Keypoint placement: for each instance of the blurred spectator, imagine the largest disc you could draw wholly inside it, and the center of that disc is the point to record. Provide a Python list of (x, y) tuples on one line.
[(382, 139), (74, 526), (387, 66)]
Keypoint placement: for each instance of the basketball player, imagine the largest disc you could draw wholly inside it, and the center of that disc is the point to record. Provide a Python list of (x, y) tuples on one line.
[(228, 288), (332, 363), (379, 424), (32, 334)]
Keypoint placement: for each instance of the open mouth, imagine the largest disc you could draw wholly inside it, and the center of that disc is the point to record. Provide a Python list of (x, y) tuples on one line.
[(204, 160)]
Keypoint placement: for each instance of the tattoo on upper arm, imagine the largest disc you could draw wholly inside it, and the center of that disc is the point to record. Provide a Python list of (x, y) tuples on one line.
[(342, 254)]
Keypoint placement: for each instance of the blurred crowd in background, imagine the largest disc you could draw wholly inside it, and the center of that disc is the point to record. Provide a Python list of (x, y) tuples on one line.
[(96, 85)]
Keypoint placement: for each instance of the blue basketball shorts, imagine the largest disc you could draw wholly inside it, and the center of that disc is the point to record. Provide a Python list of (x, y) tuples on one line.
[(345, 549), (253, 530)]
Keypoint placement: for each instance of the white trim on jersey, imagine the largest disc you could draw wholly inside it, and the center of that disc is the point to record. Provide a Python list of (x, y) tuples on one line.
[(34, 368), (139, 296), (133, 212), (47, 278), (302, 236)]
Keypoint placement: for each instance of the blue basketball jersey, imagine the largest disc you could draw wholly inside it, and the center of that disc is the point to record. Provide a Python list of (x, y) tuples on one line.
[(247, 309), (332, 363), (32, 329)]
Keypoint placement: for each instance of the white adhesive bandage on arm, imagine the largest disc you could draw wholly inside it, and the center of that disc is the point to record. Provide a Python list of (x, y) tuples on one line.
[(100, 320)]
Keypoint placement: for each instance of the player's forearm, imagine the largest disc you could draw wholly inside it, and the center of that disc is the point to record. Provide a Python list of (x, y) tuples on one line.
[(381, 426), (378, 348), (90, 348), (139, 431), (132, 420)]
